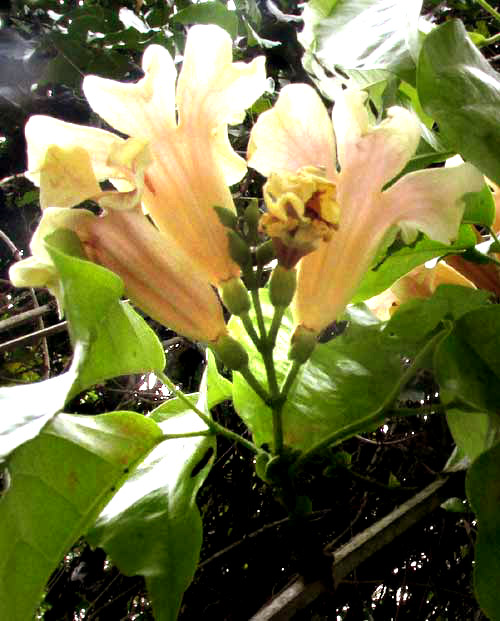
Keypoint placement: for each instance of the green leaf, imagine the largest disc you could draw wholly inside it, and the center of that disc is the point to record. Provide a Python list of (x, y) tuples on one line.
[(218, 388), (482, 491), (115, 340), (480, 207), (419, 317), (473, 432), (59, 482), (209, 13), (362, 35), (26, 409), (402, 260), (467, 362), (342, 388), (460, 90), (152, 526)]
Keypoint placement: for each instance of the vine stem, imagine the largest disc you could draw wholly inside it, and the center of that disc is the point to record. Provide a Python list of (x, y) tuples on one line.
[(380, 413), (487, 7), (258, 313), (489, 41), (212, 425)]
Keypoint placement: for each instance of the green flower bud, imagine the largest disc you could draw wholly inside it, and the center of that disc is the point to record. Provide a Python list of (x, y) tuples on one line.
[(231, 353), (282, 286), (239, 250), (227, 217), (252, 216), (235, 296), (302, 345), (265, 253)]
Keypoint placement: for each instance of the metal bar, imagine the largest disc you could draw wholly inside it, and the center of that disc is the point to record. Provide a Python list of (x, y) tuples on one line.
[(300, 594)]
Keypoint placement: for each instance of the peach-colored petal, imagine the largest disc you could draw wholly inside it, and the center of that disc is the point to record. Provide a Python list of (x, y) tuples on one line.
[(431, 201), (44, 131), (370, 158), (66, 177), (143, 109), (296, 132)]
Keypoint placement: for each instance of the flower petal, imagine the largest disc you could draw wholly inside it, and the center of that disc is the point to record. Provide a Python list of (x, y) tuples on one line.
[(213, 92), (371, 156), (44, 131), (431, 201), (296, 132), (66, 177), (143, 109), (160, 281)]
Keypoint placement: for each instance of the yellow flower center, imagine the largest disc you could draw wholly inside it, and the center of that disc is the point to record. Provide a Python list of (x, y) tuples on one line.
[(302, 212)]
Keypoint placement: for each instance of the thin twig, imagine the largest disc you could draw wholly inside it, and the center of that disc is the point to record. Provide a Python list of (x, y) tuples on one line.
[(28, 338)]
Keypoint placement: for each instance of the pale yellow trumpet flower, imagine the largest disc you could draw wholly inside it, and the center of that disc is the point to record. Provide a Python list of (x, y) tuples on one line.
[(359, 159)]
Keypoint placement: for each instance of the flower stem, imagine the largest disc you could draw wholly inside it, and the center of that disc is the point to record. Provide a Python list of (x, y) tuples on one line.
[(213, 427), (487, 7), (290, 378), (249, 327), (489, 41), (275, 325), (258, 313), (254, 383)]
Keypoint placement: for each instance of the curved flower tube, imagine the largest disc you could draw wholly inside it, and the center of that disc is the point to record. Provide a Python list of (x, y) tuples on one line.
[(185, 129), (159, 282), (297, 134)]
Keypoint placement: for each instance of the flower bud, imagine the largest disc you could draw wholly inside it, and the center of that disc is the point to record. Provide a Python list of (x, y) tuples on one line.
[(231, 353), (235, 296), (252, 216), (265, 253), (227, 217), (302, 344), (239, 250), (282, 286)]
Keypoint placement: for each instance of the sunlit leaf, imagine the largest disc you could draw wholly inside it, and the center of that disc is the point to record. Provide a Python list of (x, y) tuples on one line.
[(152, 526), (59, 482), (460, 90), (399, 262), (342, 388), (482, 491)]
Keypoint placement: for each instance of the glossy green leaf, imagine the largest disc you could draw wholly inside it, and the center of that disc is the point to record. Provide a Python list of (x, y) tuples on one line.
[(467, 362), (218, 387), (482, 491), (362, 35), (400, 261), (152, 526), (59, 482), (419, 317), (480, 207), (26, 409), (209, 13), (342, 388), (114, 338), (460, 90), (473, 432)]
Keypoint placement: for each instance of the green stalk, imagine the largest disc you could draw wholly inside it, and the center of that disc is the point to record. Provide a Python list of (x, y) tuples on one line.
[(213, 426), (258, 313), (247, 322), (279, 311), (254, 383), (487, 7), (290, 378), (489, 40)]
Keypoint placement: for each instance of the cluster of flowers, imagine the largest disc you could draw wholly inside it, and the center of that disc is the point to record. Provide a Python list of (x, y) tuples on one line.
[(328, 207)]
